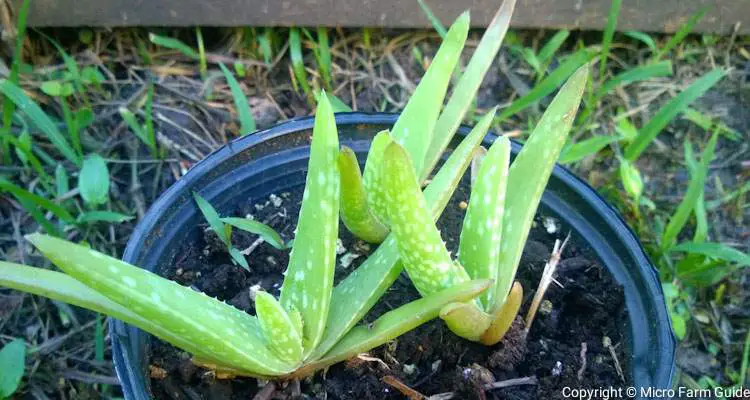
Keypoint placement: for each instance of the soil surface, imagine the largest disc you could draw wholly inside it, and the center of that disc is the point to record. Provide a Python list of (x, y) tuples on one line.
[(587, 312)]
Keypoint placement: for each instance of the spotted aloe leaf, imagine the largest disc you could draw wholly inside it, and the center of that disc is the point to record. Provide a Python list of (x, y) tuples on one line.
[(355, 213), (308, 282), (165, 308), (371, 179), (395, 323), (422, 250), (355, 295), (466, 88), (415, 126), (529, 173), (278, 327), (61, 287), (479, 247)]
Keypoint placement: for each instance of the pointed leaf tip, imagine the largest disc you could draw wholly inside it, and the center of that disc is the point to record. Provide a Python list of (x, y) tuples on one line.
[(309, 278)]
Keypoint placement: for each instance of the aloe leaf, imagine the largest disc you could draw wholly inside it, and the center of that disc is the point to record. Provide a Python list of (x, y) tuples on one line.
[(278, 328), (465, 90), (479, 246), (422, 250), (355, 213), (504, 317), (529, 174), (372, 178), (309, 278), (466, 320), (264, 231), (218, 331), (395, 323), (355, 295), (415, 128)]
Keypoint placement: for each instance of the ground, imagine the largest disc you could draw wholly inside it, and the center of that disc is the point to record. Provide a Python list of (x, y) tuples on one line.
[(372, 70)]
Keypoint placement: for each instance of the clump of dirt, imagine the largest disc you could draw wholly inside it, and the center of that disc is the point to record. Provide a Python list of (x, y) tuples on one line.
[(586, 311)]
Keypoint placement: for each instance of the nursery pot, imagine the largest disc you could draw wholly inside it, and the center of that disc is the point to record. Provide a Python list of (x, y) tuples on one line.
[(274, 160)]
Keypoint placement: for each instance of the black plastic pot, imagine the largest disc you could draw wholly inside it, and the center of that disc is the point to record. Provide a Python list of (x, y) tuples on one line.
[(254, 166)]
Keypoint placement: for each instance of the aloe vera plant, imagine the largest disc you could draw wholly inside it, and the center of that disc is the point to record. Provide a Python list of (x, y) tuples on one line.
[(310, 327), (504, 199)]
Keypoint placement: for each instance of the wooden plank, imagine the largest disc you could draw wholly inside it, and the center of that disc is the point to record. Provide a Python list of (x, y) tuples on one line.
[(644, 15)]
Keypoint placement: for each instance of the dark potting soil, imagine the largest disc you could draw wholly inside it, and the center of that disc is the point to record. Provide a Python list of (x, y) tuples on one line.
[(578, 338)]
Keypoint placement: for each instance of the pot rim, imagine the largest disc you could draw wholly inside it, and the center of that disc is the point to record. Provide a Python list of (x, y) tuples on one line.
[(654, 303)]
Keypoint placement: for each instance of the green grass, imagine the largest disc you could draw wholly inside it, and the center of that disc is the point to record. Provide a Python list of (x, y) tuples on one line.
[(8, 104)]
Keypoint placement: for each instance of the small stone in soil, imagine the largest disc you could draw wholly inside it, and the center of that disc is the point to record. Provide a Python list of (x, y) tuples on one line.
[(340, 249), (558, 368), (157, 372), (550, 225), (275, 200), (347, 259)]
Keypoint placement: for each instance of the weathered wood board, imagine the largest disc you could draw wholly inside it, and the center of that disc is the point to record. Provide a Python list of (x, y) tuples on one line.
[(644, 15)]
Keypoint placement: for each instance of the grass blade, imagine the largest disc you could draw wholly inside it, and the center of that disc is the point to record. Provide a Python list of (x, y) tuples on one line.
[(102, 216), (637, 74), (551, 47), (134, 126), (40, 119), (434, 20), (680, 35), (609, 33), (643, 38), (464, 93), (22, 194), (550, 83), (696, 186), (324, 58), (579, 151), (173, 44), (298, 63), (247, 122), (308, 283), (718, 251), (264, 231), (201, 52), (8, 104), (675, 106)]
